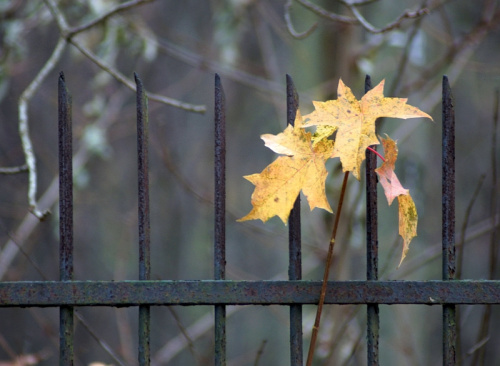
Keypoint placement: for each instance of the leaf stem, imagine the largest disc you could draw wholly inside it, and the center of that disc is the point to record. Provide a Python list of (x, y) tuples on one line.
[(329, 257), (376, 153)]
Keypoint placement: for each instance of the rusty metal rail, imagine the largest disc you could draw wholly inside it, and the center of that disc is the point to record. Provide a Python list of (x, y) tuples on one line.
[(144, 293), (135, 293)]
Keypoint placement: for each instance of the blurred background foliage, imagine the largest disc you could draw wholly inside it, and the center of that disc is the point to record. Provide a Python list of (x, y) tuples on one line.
[(176, 47)]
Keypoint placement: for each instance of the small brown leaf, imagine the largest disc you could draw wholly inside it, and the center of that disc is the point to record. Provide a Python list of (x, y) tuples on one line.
[(408, 217), (387, 177)]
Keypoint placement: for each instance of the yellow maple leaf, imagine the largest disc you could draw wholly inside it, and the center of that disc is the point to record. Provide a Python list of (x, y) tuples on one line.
[(302, 168), (354, 121), (408, 217)]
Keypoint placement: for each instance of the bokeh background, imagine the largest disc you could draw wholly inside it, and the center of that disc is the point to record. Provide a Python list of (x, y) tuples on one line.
[(176, 47)]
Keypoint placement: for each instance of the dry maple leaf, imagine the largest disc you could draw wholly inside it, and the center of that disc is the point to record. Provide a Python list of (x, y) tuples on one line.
[(354, 121), (302, 168), (408, 217), (387, 177)]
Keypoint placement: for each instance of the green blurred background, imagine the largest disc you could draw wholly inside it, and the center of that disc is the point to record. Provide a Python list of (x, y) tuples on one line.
[(176, 47)]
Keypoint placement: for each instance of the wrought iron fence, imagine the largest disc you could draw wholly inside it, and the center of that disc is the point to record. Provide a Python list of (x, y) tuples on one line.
[(219, 292)]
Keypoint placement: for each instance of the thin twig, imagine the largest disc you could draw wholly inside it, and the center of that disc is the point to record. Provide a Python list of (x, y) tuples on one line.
[(465, 223), (260, 352), (358, 2), (24, 127), (460, 255), (15, 170), (128, 83), (117, 9), (189, 340), (327, 15), (289, 24), (329, 257), (358, 18), (395, 24)]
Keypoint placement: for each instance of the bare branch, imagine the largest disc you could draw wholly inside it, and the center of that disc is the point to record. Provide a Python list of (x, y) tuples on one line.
[(117, 9), (14, 170), (128, 83), (24, 127), (325, 14), (289, 25), (395, 24), (358, 18), (62, 24), (357, 2)]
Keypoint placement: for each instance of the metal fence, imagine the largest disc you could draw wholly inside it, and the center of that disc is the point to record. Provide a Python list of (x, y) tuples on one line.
[(219, 292)]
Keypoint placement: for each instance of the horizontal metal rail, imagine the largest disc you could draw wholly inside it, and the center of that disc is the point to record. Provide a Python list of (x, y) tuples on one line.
[(208, 292)]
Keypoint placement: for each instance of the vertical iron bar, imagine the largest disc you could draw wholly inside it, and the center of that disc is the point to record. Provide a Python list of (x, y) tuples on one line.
[(373, 324), (220, 217), (66, 325), (294, 242), (144, 222), (448, 207)]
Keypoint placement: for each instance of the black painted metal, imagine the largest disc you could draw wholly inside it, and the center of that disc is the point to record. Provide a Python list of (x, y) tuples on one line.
[(66, 319), (448, 224), (220, 217), (372, 311), (144, 217), (294, 242)]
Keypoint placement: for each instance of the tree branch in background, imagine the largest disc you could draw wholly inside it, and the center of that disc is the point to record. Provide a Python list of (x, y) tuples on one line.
[(289, 24), (24, 127), (14, 170), (358, 18), (325, 14), (395, 24), (129, 84), (117, 9)]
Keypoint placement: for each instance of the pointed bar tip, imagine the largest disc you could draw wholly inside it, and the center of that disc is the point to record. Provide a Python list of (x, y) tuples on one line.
[(219, 90), (446, 83), (138, 81), (368, 83)]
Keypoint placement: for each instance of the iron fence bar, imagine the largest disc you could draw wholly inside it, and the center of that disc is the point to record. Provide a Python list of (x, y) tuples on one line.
[(220, 217), (448, 224), (143, 216), (372, 310), (294, 243), (210, 292), (66, 312)]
